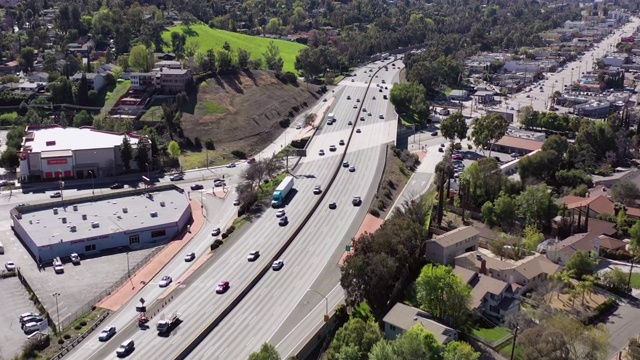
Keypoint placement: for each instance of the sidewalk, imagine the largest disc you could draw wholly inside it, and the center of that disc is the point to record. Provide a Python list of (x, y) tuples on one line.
[(370, 224), (129, 289)]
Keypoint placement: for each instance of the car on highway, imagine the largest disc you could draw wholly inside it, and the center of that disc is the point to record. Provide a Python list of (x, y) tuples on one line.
[(385, 97), (358, 130), (283, 221), (350, 122), (358, 100), (440, 150), (381, 116), (368, 114), (107, 333), (345, 164), (165, 281), (357, 201), (361, 118), (333, 205), (298, 126), (236, 202), (176, 177), (222, 288), (277, 265), (56, 194), (317, 189), (280, 213), (321, 152), (348, 97), (373, 98), (197, 187), (116, 186), (10, 266), (215, 231), (355, 106), (254, 255), (189, 256), (384, 82), (341, 142), (332, 148), (352, 168), (125, 348)]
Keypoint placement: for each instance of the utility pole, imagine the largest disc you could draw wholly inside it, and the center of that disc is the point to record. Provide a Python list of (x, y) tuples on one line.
[(630, 273), (513, 347), (55, 295)]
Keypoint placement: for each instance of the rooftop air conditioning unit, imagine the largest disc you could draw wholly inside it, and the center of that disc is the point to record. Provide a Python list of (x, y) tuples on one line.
[(64, 220), (162, 203), (125, 210), (55, 211), (95, 224), (154, 214), (72, 228), (84, 216), (75, 207)]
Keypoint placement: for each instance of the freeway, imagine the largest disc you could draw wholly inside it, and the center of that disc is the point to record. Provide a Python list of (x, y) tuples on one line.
[(195, 298), (272, 308)]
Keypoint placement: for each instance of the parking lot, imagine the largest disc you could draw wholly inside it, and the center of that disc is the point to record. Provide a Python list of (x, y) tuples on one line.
[(468, 157), (78, 285), (13, 302)]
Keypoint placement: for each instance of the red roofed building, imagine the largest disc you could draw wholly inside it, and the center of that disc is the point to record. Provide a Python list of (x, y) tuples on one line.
[(521, 146)]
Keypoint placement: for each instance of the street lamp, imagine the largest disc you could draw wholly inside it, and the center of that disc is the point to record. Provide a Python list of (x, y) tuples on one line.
[(326, 304), (93, 187), (61, 184), (55, 295)]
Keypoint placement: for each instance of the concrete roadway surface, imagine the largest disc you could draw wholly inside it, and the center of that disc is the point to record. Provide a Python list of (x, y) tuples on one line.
[(196, 299), (571, 72), (219, 214), (272, 309)]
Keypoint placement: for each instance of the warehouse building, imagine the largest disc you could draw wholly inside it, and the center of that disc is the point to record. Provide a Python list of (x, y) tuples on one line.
[(88, 226), (54, 152)]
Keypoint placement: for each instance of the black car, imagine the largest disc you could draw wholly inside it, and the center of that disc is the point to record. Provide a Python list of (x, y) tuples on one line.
[(197, 187), (116, 186), (332, 205), (435, 133)]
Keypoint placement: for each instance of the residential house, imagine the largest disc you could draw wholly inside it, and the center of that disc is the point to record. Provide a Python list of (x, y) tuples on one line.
[(29, 87), (403, 317), (561, 252), (477, 67), (81, 48), (39, 77), (164, 56), (595, 205), (172, 81), (168, 64), (142, 81), (11, 67), (459, 95), (106, 69), (611, 244), (522, 274), (444, 248), (492, 298), (95, 81), (615, 59)]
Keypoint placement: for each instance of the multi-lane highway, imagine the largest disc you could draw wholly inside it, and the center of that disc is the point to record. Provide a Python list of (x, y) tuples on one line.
[(195, 298)]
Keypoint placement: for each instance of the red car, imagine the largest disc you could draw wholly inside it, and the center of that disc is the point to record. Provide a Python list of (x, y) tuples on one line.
[(222, 288), (457, 157)]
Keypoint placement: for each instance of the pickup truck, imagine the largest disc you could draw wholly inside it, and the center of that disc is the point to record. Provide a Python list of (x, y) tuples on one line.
[(166, 325)]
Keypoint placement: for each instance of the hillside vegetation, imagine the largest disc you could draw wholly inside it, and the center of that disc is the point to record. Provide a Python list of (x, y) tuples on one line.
[(208, 38)]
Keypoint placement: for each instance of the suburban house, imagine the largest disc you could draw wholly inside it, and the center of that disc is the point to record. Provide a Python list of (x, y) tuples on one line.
[(403, 317), (561, 252), (83, 49), (611, 244), (168, 64), (141, 81), (95, 81), (522, 274), (594, 205), (492, 298), (459, 95), (444, 248), (39, 77), (172, 81), (11, 67)]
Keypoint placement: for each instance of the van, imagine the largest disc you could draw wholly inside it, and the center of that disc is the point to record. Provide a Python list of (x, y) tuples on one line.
[(57, 266), (1, 248), (125, 348)]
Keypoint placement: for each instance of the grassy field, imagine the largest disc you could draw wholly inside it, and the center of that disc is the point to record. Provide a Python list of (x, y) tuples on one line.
[(635, 281), (212, 108), (208, 38), (113, 94)]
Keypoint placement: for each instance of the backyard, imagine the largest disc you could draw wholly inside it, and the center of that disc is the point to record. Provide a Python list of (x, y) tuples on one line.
[(112, 95)]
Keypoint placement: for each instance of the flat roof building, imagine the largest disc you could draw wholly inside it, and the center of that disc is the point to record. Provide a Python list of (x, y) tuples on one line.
[(133, 219), (54, 152)]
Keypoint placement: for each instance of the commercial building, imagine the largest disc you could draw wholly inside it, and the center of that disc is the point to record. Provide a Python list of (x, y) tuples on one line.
[(88, 226), (593, 109), (54, 152)]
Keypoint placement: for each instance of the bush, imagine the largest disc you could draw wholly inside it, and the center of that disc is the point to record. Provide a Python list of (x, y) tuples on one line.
[(231, 229), (290, 78), (208, 144), (284, 122), (77, 327), (218, 242), (83, 323), (239, 154), (374, 212), (601, 310), (60, 341), (224, 235), (66, 336), (214, 246)]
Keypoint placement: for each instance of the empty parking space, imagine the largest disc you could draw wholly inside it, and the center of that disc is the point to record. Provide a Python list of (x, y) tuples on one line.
[(13, 302)]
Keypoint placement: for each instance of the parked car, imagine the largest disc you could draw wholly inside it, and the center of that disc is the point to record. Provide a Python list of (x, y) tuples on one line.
[(222, 288), (176, 177), (254, 255), (24, 316), (75, 258), (10, 266), (116, 186), (197, 187), (277, 265), (165, 281), (56, 194), (189, 256), (107, 333)]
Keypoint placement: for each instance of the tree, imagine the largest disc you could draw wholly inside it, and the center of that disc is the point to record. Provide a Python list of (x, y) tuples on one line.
[(126, 153), (10, 158), (224, 60), (582, 263), (454, 126), (505, 209), (355, 332), (488, 129), (174, 149), (272, 57), (83, 118), (536, 204), (171, 116), (382, 350), (615, 278), (178, 42), (634, 233), (527, 117), (625, 192), (564, 338), (243, 58), (142, 154), (267, 352), (139, 58), (27, 58), (417, 343), (488, 214), (532, 237), (443, 294), (460, 350), (82, 91)]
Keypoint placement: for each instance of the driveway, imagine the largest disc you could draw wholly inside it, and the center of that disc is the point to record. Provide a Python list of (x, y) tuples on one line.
[(622, 324)]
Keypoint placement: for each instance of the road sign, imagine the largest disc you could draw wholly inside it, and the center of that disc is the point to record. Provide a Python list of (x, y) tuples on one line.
[(142, 301), (347, 248)]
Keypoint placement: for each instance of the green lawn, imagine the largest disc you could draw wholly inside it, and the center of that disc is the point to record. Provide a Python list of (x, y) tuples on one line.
[(113, 95), (211, 108), (635, 281), (505, 350), (153, 114), (492, 335), (208, 38)]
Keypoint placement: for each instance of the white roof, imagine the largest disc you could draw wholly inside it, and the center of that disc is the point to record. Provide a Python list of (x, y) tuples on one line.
[(57, 138)]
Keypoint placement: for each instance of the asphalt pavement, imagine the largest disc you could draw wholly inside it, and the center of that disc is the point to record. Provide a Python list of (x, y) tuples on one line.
[(13, 302)]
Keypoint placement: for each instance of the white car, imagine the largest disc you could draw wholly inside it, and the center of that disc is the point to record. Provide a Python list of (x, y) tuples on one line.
[(165, 281), (10, 266), (254, 255), (317, 189), (107, 333), (215, 232), (280, 213), (75, 258), (277, 265)]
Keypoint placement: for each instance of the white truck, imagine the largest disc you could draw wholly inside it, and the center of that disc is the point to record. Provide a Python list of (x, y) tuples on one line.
[(331, 119), (166, 325)]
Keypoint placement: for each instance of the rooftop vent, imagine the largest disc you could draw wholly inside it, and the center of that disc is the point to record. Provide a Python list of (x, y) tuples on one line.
[(55, 211), (64, 220), (162, 203), (125, 210), (51, 143), (95, 224), (84, 216), (72, 228), (154, 214), (75, 207)]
